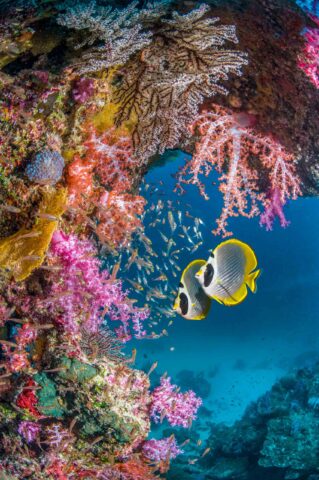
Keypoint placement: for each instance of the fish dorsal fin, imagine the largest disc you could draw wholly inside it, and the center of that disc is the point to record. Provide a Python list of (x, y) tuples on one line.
[(195, 263)]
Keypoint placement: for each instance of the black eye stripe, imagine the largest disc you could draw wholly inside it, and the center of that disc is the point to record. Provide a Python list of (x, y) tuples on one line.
[(208, 274), (181, 285), (183, 303)]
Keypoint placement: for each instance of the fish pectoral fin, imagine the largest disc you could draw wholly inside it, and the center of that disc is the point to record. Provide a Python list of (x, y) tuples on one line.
[(251, 280), (218, 300), (199, 317)]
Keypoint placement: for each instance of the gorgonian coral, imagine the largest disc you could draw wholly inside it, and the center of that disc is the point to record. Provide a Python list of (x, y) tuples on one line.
[(120, 31), (228, 143), (163, 87)]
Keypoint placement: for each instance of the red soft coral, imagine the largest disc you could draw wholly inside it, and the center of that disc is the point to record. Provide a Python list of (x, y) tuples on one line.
[(118, 217)]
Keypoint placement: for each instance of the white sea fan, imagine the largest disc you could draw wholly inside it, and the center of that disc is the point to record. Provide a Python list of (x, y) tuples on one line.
[(113, 35)]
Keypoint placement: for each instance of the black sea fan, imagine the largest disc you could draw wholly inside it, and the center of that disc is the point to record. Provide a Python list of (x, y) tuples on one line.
[(102, 344)]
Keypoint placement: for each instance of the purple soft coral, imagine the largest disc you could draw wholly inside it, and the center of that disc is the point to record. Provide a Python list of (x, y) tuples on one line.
[(179, 408), (29, 430), (274, 209), (83, 295), (83, 90), (161, 450)]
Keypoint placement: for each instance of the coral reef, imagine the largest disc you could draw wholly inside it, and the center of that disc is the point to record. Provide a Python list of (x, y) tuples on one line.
[(276, 437), (89, 93)]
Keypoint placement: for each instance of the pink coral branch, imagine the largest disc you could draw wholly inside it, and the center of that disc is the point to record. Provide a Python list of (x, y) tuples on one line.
[(179, 408), (82, 294), (228, 143), (309, 58)]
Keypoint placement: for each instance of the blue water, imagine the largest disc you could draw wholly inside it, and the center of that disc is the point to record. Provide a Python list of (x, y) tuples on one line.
[(241, 350)]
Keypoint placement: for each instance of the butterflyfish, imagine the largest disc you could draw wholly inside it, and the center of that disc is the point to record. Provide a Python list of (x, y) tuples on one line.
[(230, 268), (191, 301)]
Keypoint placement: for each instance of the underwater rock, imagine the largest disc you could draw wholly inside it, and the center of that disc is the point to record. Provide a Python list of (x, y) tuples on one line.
[(195, 381), (46, 168), (292, 442), (277, 437)]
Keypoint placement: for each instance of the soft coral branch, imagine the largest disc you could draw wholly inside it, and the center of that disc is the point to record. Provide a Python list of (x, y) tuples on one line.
[(228, 143)]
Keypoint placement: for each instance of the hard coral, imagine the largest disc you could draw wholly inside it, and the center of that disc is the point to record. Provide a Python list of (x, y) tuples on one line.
[(46, 168)]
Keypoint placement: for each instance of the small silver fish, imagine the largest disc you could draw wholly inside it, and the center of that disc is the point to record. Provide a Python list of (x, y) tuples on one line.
[(164, 237), (171, 221)]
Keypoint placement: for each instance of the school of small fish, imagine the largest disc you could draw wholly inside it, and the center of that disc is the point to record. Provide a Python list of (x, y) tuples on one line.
[(152, 267)]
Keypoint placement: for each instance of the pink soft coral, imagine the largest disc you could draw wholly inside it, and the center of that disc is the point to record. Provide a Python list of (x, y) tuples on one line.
[(180, 409), (161, 450), (228, 143), (309, 58), (118, 217), (81, 294), (113, 156)]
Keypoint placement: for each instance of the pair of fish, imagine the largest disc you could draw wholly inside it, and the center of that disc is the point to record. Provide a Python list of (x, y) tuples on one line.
[(224, 277)]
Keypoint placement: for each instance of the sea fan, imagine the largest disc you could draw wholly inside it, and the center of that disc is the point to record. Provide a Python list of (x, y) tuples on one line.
[(163, 87), (102, 344)]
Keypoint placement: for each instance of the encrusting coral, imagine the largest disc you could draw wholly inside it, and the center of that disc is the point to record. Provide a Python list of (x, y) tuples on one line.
[(24, 251)]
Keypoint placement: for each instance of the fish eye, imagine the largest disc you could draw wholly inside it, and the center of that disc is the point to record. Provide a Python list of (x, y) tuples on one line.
[(208, 274), (183, 303), (181, 285)]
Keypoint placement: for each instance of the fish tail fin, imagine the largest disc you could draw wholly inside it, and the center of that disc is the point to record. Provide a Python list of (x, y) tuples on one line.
[(251, 280)]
